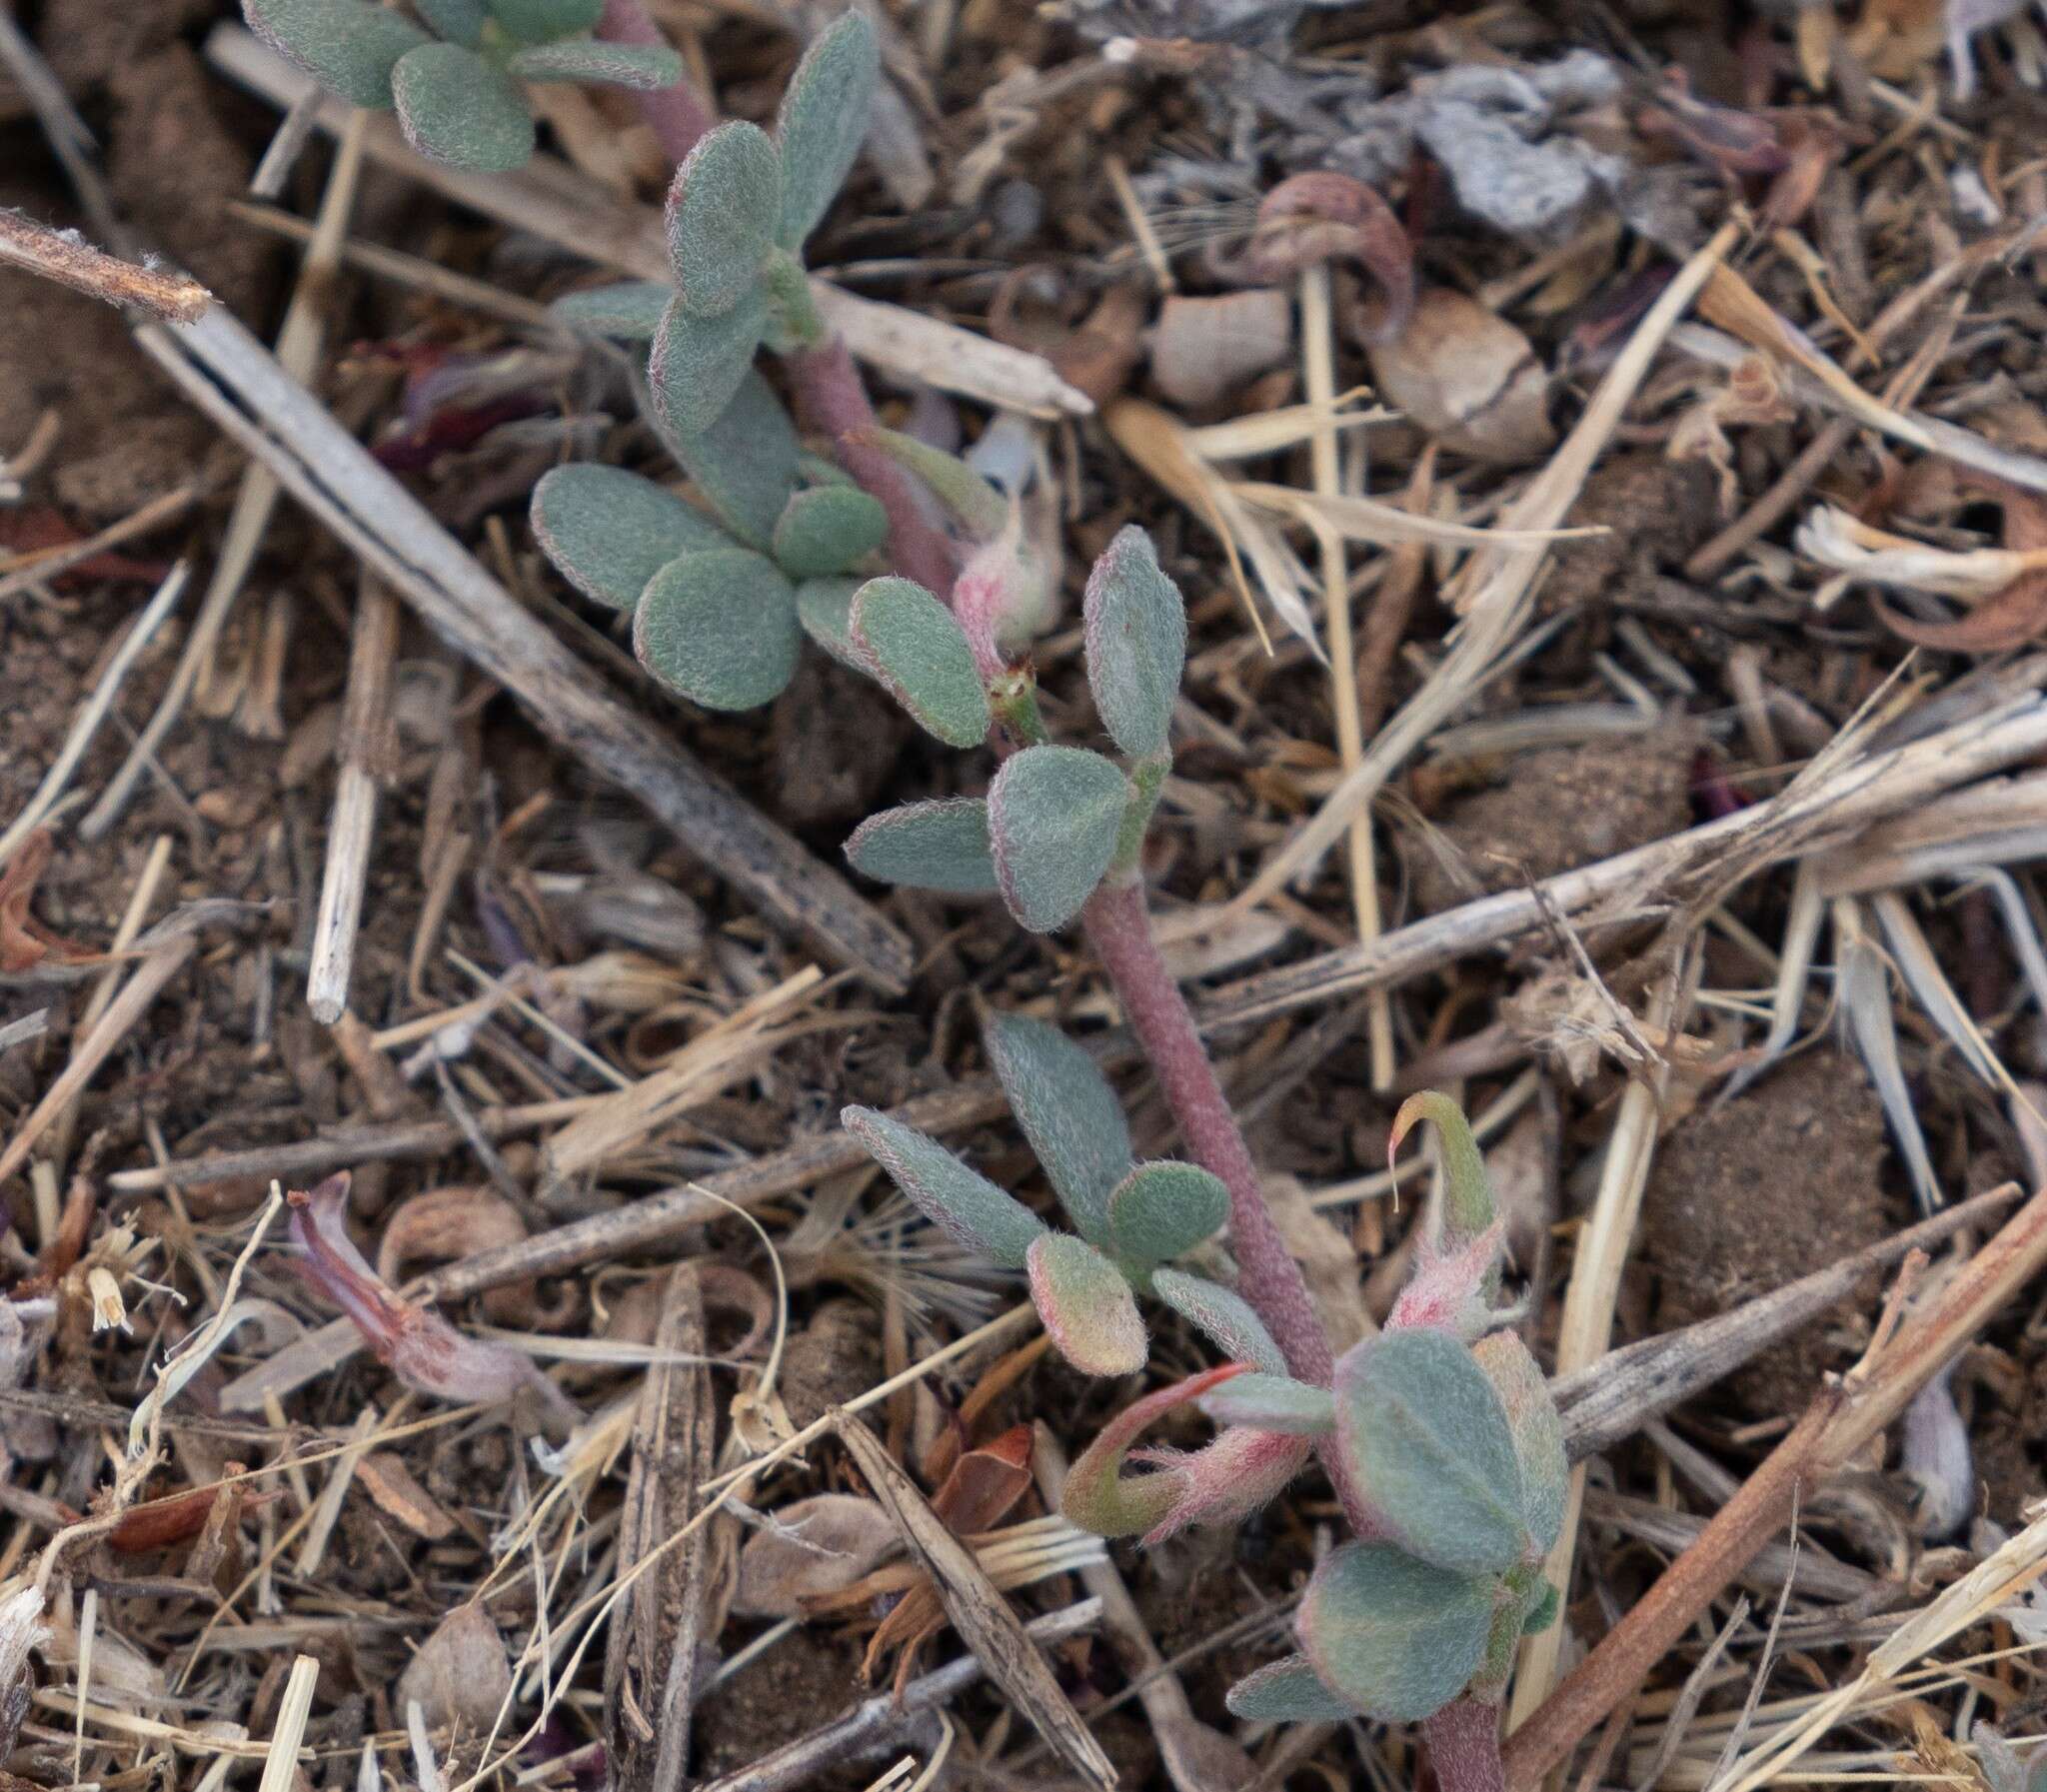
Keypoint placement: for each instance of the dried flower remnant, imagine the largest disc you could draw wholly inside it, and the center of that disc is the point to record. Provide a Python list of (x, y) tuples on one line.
[(415, 1342)]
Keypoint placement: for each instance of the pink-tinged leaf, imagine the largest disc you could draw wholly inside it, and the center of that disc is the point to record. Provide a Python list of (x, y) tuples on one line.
[(1452, 1291), (1099, 1497), (413, 1341), (1286, 1692), (1087, 1305), (1228, 1481)]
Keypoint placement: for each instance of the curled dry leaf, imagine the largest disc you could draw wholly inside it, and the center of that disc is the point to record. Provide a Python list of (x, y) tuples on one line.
[(445, 1223), (1466, 378), (2015, 613), (1751, 394), (985, 1483), (391, 1485), (1325, 216), (24, 942), (1203, 348), (461, 1675), (808, 1550)]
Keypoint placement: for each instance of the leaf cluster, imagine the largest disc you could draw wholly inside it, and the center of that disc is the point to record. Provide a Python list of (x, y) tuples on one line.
[(455, 78)]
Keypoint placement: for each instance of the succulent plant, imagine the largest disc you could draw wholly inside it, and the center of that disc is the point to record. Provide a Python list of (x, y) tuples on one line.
[(456, 80)]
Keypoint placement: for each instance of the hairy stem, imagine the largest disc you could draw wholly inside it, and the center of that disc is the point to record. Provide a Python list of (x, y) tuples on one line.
[(1464, 1742), (675, 115), (832, 401)]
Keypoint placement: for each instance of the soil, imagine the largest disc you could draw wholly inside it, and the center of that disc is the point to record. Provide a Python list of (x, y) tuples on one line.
[(808, 1677), (1743, 1199), (1656, 510)]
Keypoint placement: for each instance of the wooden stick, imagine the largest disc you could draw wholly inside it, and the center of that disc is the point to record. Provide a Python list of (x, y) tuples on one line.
[(66, 258), (1843, 1418), (365, 754), (229, 375), (93, 1050)]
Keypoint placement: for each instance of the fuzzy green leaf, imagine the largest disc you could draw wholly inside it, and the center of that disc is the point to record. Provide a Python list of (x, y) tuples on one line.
[(1427, 1439), (1162, 1211), (827, 529), (1086, 1306), (823, 121), (982, 510), (960, 1200), (1469, 1208), (698, 364), (457, 108), (536, 21), (1286, 1692), (745, 462), (718, 628), (1395, 1637), (928, 846), (644, 67), (1272, 1403), (1222, 1316), (1543, 1612), (609, 530), (458, 21), (914, 646), (825, 608), (349, 46), (1055, 813), (1136, 635), (721, 208), (1069, 1113), (1537, 1429), (631, 309)]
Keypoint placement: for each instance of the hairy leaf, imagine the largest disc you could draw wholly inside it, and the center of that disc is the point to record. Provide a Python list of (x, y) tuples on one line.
[(698, 364), (349, 46), (980, 508), (458, 21), (1470, 1209), (928, 846), (1222, 1316), (721, 208), (1286, 1692), (912, 644), (1543, 1612), (1273, 1403), (609, 530), (1427, 1439), (827, 529), (1069, 1113), (645, 67), (960, 1201), (535, 21), (1228, 1480), (630, 309), (746, 461), (1137, 633), (1395, 1637), (825, 608), (457, 108), (1537, 1429), (720, 627), (1055, 813), (1086, 1306), (1162, 1210), (1099, 1497), (825, 115)]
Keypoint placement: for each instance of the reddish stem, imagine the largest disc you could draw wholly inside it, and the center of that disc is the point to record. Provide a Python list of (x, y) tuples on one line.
[(832, 401), (674, 114), (1464, 1744)]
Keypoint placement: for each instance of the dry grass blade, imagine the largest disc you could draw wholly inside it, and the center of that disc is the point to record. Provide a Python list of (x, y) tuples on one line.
[(978, 1611)]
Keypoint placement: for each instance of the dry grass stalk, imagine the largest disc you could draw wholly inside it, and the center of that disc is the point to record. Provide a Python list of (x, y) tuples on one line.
[(66, 258)]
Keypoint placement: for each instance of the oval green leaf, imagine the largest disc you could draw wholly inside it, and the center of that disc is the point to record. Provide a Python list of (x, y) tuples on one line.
[(457, 108), (609, 530), (825, 608), (746, 461), (1162, 1210), (698, 364), (1286, 1692), (960, 1200), (1272, 1403), (1395, 1637), (630, 309), (1427, 1439), (458, 21), (1137, 642), (1068, 1111), (828, 529), (536, 21), (928, 846), (913, 645), (1086, 1306), (718, 628), (643, 67), (1537, 1429), (1222, 1316), (823, 121), (349, 46), (1055, 813), (721, 208)]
